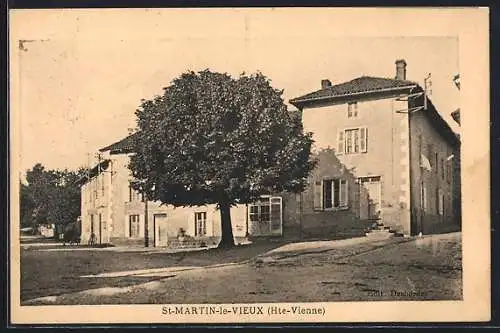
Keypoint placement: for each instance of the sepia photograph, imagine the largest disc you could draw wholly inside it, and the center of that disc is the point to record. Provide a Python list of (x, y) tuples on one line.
[(249, 165)]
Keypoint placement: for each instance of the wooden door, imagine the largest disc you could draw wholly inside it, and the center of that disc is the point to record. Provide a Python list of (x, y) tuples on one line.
[(160, 226)]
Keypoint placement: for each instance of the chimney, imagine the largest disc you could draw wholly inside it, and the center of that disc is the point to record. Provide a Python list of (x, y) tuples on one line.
[(400, 69), (325, 83)]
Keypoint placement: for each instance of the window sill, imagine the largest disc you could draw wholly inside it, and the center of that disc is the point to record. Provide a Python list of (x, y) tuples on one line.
[(335, 209)]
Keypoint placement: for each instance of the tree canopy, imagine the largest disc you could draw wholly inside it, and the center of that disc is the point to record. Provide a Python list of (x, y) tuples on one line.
[(211, 138), (50, 196)]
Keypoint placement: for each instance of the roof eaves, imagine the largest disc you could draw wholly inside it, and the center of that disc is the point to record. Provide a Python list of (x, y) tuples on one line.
[(445, 129), (124, 143), (315, 99)]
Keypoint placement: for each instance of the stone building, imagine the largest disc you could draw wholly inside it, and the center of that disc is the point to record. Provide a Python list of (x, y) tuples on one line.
[(385, 155), (117, 214)]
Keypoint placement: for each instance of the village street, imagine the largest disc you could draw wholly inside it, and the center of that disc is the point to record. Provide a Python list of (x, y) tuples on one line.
[(353, 269)]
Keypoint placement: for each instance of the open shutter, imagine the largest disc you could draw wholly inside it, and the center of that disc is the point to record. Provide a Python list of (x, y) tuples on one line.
[(363, 142), (340, 141), (344, 193), (318, 195)]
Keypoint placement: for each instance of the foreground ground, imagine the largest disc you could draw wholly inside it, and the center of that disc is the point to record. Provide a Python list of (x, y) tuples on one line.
[(427, 268)]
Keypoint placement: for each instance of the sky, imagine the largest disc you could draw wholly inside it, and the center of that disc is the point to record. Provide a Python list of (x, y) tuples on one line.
[(84, 73)]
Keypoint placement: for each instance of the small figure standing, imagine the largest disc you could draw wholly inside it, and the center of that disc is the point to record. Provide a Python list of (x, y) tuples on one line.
[(92, 239)]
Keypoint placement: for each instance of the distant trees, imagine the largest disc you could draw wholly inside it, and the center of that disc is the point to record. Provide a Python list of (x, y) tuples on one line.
[(50, 196), (214, 139)]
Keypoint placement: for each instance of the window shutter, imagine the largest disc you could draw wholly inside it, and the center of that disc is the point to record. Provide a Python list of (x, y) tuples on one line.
[(340, 141), (344, 193), (363, 142), (318, 195)]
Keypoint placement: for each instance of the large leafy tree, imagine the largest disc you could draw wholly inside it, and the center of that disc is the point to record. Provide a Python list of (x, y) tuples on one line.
[(27, 205), (50, 196), (211, 138)]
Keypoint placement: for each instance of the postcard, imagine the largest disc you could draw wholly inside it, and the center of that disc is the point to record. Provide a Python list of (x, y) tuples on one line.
[(249, 165)]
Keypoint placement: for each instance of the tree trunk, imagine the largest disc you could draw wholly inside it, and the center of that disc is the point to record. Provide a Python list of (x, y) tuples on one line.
[(227, 240)]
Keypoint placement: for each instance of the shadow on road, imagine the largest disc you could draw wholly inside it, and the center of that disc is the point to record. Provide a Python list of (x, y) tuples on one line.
[(52, 273)]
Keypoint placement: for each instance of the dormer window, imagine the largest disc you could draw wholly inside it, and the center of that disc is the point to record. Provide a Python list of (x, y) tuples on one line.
[(352, 110)]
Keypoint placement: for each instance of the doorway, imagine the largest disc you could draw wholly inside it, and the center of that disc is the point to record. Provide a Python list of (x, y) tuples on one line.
[(160, 230), (265, 216), (370, 190)]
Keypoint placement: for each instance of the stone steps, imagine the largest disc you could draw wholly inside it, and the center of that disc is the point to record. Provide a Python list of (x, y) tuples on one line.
[(381, 231)]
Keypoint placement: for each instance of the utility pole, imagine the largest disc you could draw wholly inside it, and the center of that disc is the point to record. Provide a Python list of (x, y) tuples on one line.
[(146, 226), (97, 191), (300, 216)]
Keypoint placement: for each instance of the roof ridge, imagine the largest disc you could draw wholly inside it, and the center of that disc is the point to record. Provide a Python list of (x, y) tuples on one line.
[(382, 77), (361, 84)]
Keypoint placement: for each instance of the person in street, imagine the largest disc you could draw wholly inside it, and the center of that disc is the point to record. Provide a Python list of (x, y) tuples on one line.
[(92, 239)]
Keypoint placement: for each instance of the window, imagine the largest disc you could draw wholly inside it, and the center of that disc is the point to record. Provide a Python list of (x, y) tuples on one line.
[(133, 226), (353, 140), (200, 224), (436, 162), (330, 194), (265, 215), (352, 110), (423, 197), (134, 195), (440, 197), (260, 211), (442, 168)]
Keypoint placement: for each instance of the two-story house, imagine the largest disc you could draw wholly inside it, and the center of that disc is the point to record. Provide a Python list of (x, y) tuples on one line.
[(117, 214), (385, 155)]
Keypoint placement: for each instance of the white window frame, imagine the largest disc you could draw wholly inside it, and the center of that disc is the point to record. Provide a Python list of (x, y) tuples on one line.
[(200, 224), (267, 201), (341, 205), (138, 221), (342, 140)]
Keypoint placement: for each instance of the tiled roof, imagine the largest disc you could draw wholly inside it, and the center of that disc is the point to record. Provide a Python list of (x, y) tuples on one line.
[(371, 85), (364, 84), (125, 145)]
